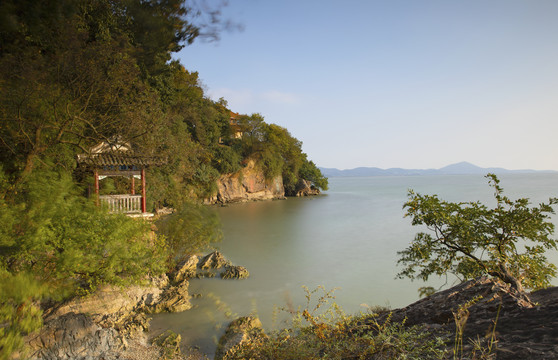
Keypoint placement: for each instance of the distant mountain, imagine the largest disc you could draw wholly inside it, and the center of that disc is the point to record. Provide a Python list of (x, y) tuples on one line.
[(462, 168)]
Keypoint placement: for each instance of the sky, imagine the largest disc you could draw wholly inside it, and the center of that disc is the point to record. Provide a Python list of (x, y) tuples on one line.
[(415, 84)]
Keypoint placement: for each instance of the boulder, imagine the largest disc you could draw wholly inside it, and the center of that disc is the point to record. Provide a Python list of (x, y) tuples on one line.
[(169, 343), (239, 331), (215, 260), (186, 269), (235, 272), (174, 299), (76, 336), (305, 188)]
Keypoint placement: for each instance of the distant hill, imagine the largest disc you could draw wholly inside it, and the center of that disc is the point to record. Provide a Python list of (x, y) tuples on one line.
[(462, 168)]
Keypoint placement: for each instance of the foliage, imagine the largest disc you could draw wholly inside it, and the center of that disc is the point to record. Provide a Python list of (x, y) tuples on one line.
[(318, 333), (309, 171), (19, 312), (469, 239), (482, 348), (282, 154), (74, 73), (54, 244), (68, 242), (226, 160), (190, 229)]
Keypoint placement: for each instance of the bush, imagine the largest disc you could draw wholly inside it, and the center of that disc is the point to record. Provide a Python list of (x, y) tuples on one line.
[(226, 160), (205, 178), (326, 333), (309, 171), (56, 244), (190, 229), (19, 312)]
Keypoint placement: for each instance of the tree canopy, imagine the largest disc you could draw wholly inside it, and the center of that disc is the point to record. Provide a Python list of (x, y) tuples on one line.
[(469, 239)]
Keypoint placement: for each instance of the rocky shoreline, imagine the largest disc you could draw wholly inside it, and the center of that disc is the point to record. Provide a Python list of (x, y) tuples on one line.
[(250, 184), (112, 322)]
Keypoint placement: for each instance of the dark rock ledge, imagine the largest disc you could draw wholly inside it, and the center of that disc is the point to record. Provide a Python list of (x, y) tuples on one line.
[(521, 332), (112, 323)]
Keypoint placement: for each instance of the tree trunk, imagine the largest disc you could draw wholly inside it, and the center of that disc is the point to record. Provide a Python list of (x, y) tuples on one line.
[(517, 289)]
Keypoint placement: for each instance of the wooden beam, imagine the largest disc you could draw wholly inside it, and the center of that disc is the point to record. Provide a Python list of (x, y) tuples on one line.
[(143, 202), (118, 172), (96, 174)]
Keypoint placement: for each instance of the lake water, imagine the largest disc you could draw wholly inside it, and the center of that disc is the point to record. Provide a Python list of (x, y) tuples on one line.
[(347, 239)]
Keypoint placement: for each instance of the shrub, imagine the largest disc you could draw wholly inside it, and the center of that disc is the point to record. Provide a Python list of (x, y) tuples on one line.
[(190, 229), (323, 331)]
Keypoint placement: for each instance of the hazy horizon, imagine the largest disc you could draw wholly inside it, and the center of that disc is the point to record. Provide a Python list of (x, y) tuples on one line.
[(441, 167)]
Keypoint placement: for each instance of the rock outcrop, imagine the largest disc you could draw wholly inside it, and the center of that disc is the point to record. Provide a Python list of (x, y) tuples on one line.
[(248, 184), (215, 260), (111, 323), (108, 304), (521, 331), (235, 272), (76, 336), (103, 325), (211, 265), (174, 299), (305, 188), (186, 269), (239, 331)]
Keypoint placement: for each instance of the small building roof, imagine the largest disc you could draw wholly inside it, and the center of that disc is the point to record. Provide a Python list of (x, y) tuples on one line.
[(116, 152), (116, 158)]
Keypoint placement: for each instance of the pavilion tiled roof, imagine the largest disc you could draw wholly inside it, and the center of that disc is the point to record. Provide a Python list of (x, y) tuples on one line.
[(119, 158)]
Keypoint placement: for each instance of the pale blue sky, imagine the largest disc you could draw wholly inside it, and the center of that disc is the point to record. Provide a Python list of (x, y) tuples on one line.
[(395, 83)]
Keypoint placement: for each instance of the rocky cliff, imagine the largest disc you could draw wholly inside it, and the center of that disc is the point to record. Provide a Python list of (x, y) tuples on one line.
[(248, 184)]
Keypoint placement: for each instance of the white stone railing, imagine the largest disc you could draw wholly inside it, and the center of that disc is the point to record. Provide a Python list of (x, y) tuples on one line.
[(122, 203)]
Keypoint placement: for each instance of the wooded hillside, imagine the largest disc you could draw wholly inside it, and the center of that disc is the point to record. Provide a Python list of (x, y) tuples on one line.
[(73, 74)]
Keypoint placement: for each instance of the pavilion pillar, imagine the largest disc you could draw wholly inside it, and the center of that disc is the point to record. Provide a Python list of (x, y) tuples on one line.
[(133, 190), (143, 202), (96, 187)]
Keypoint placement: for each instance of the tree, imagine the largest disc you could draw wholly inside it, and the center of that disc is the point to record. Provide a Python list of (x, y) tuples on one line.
[(469, 239), (309, 171), (69, 88), (192, 228)]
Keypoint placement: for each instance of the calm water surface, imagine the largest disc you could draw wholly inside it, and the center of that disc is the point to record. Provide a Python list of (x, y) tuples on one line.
[(346, 239)]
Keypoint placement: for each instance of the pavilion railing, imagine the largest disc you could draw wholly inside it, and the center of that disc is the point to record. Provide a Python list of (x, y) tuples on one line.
[(122, 203)]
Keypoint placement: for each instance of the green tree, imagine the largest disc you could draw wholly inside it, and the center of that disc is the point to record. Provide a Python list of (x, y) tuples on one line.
[(54, 244), (469, 239), (67, 89), (20, 313), (51, 231), (192, 228), (253, 129), (309, 171)]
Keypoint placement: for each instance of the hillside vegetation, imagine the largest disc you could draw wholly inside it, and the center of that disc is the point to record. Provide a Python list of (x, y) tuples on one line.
[(75, 73)]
